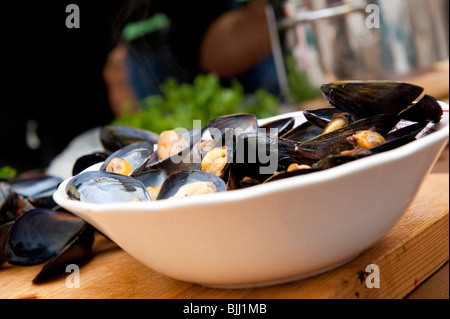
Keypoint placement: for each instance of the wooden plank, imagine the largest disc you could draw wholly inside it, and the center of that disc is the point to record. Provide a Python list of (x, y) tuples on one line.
[(413, 250)]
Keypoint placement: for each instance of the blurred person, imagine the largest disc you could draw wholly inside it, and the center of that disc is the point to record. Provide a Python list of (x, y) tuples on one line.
[(227, 37)]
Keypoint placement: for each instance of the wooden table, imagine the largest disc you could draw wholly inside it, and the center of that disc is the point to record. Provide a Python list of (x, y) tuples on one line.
[(412, 260), (407, 256)]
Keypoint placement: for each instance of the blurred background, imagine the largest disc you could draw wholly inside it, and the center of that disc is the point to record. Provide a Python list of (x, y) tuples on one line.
[(63, 82), (315, 42)]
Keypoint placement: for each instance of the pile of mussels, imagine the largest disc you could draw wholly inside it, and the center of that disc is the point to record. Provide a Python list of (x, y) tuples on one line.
[(231, 152)]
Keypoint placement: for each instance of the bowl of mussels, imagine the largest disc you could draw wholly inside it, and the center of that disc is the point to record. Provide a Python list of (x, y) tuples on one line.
[(245, 202)]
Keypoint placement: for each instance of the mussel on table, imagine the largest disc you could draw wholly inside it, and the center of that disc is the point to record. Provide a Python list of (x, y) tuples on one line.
[(42, 235), (12, 205)]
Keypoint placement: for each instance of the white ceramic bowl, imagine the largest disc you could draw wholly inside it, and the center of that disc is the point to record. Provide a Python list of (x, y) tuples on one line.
[(272, 233)]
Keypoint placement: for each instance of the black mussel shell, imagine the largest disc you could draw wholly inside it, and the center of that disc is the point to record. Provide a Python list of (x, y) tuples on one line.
[(321, 117), (37, 186), (400, 137), (4, 230), (303, 132), (185, 159), (38, 235), (370, 98), (11, 205), (259, 156), (336, 142), (426, 109), (180, 178), (299, 172), (103, 187), (339, 159), (279, 127), (87, 161), (77, 250), (238, 122), (152, 178), (136, 154), (234, 183), (115, 137)]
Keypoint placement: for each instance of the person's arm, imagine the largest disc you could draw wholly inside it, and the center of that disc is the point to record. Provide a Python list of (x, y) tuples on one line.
[(236, 41)]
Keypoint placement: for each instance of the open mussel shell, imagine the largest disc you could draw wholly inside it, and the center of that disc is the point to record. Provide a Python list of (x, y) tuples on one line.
[(152, 178), (103, 187), (369, 98), (304, 132), (426, 109), (36, 186), (393, 139), (321, 117), (135, 154), (239, 122), (37, 235), (279, 127), (183, 160), (187, 158), (11, 204), (400, 137), (4, 230), (284, 175), (87, 161), (181, 178), (336, 142), (258, 156), (77, 250), (339, 159), (114, 137)]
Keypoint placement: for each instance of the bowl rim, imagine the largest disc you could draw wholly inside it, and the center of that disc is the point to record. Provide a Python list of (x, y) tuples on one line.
[(441, 134)]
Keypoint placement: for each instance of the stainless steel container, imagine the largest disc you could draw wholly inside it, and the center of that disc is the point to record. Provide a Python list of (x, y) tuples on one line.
[(317, 41)]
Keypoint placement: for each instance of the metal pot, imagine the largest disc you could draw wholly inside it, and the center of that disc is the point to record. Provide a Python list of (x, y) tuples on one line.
[(319, 41)]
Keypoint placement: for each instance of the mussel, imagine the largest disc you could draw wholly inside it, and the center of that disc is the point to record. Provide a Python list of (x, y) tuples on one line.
[(370, 98), (42, 235), (114, 137), (87, 161), (189, 183), (103, 187), (129, 158), (279, 127), (241, 123), (186, 157)]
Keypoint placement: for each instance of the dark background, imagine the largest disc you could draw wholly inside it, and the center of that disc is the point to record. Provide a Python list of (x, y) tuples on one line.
[(53, 76)]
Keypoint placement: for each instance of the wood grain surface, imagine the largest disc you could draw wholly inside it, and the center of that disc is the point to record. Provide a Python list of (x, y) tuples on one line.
[(412, 251)]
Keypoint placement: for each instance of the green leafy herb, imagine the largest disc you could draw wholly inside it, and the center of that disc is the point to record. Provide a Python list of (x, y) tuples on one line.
[(204, 99), (7, 172), (299, 86)]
